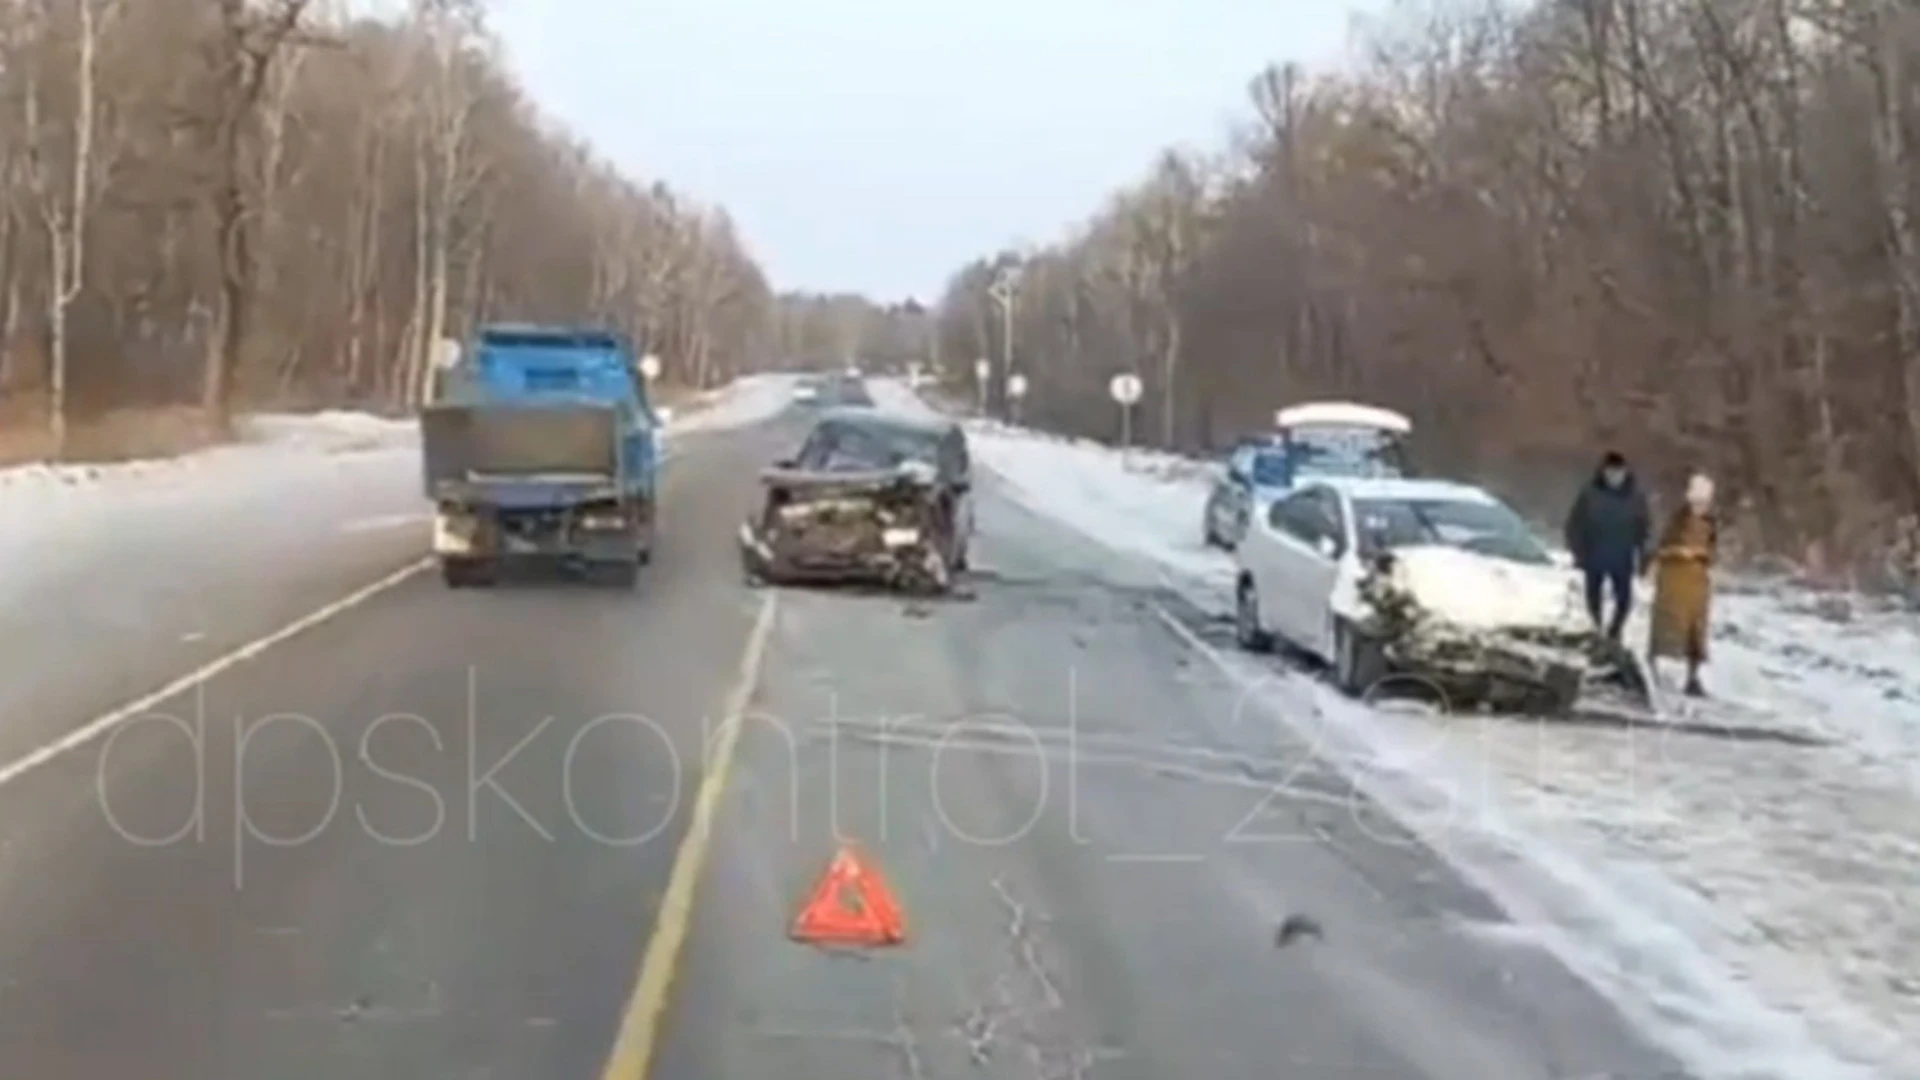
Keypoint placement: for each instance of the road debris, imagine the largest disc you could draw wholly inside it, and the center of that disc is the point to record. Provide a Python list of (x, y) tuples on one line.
[(1294, 928)]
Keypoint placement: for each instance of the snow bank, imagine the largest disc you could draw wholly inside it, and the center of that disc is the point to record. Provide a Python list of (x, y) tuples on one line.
[(744, 402), (896, 396), (1740, 882)]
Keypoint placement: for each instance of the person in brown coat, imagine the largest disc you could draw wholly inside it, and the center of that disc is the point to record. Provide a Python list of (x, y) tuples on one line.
[(1683, 588)]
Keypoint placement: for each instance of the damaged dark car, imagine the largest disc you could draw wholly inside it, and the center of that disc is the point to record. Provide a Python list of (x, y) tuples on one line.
[(871, 498)]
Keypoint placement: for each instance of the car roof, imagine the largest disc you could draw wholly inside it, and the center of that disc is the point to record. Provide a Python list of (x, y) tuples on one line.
[(869, 416), (1404, 489), (1310, 413)]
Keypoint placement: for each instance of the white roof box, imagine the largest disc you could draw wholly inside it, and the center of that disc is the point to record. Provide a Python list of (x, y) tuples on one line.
[(1343, 413)]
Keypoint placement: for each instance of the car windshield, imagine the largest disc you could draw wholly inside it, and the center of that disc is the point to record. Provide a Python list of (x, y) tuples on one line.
[(1344, 450), (854, 448), (1483, 528)]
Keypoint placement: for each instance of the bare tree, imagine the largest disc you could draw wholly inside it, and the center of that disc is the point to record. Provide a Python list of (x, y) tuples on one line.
[(276, 202), (1682, 228), (63, 213), (244, 46)]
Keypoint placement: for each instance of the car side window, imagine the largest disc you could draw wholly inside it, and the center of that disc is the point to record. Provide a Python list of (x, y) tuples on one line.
[(1298, 516), (1277, 515)]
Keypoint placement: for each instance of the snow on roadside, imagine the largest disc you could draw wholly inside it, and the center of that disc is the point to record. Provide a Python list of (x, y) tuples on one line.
[(270, 441), (287, 474), (746, 401), (1142, 502), (268, 437), (1748, 897), (294, 478)]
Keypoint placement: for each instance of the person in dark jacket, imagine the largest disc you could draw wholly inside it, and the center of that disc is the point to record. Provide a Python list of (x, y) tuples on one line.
[(1607, 532)]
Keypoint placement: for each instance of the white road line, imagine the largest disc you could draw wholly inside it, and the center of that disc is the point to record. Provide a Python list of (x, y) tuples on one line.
[(106, 722), (100, 725)]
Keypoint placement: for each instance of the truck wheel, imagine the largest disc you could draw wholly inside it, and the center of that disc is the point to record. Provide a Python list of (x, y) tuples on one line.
[(465, 573)]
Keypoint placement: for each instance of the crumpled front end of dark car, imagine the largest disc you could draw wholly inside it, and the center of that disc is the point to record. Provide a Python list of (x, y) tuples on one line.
[(817, 528)]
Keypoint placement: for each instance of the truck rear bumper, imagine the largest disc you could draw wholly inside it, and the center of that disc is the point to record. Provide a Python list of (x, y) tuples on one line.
[(596, 536)]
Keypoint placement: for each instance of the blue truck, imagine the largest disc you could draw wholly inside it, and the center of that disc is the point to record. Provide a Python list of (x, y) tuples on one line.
[(542, 447)]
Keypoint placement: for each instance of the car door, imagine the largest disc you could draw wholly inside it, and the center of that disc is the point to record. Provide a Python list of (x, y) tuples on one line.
[(1319, 569), (1275, 553)]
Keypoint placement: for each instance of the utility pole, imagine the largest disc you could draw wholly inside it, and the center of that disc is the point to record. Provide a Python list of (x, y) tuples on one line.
[(1003, 291)]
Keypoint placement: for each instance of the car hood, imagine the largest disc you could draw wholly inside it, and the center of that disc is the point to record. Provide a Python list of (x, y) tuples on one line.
[(1476, 592)]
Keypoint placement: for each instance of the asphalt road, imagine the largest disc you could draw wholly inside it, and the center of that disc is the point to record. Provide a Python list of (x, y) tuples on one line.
[(311, 867)]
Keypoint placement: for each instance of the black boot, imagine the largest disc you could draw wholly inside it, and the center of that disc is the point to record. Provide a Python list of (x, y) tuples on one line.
[(1694, 689)]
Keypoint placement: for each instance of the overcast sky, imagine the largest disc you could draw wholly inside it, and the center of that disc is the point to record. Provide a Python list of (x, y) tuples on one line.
[(875, 146)]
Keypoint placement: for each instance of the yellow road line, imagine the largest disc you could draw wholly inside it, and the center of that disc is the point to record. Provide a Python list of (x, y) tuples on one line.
[(640, 1026)]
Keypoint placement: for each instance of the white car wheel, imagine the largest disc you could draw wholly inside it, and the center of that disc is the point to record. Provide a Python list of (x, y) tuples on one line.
[(1358, 663)]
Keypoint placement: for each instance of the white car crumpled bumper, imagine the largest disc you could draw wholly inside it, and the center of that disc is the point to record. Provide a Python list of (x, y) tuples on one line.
[(1472, 621)]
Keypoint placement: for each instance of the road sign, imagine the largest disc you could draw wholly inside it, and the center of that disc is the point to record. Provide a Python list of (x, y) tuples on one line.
[(850, 905), (650, 366), (1016, 386), (1125, 389)]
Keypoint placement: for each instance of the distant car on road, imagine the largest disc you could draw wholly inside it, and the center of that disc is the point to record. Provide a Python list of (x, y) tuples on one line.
[(870, 497), (1437, 582), (1311, 440), (828, 391)]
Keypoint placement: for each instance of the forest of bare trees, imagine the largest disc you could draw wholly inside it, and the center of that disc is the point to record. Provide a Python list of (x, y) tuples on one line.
[(1685, 228), (822, 331), (218, 204)]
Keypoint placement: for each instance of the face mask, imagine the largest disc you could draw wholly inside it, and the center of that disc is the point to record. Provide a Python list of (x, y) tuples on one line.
[(1615, 477)]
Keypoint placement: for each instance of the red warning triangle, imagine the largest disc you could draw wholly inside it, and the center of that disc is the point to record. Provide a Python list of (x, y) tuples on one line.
[(851, 905)]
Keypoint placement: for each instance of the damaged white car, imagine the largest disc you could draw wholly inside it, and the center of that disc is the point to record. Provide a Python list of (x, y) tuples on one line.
[(1423, 583)]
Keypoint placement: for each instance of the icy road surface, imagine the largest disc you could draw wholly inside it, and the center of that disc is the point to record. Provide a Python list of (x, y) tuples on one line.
[(1746, 884)]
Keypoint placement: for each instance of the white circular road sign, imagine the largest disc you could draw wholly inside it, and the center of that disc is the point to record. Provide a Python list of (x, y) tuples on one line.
[(650, 366), (446, 354), (1016, 386), (1125, 389)]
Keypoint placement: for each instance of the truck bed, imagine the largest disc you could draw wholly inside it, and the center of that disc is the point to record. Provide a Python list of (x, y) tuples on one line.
[(507, 454)]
